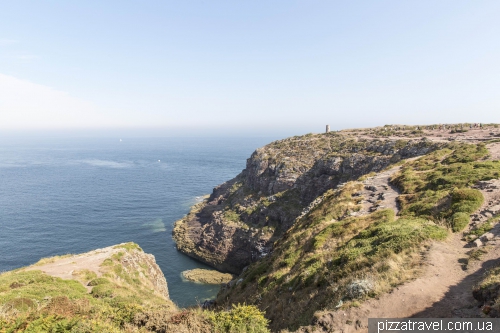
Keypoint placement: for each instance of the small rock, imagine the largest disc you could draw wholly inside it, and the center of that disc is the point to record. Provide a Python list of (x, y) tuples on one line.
[(359, 288), (477, 243), (487, 236), (494, 209), (371, 188), (472, 237)]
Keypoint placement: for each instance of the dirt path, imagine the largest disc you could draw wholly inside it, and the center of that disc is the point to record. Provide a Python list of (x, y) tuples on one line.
[(379, 193), (494, 149), (68, 267), (473, 135), (444, 289)]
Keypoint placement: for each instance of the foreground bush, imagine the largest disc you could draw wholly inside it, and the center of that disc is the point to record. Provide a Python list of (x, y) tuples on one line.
[(240, 319)]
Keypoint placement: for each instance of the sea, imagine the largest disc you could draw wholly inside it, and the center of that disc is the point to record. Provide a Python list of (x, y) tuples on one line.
[(73, 195)]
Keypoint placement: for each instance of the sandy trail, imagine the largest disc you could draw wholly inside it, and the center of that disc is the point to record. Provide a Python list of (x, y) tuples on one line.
[(379, 193), (444, 288), (494, 149), (67, 267)]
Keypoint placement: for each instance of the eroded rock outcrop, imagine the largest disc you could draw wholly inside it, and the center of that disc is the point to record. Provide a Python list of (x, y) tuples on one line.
[(242, 218)]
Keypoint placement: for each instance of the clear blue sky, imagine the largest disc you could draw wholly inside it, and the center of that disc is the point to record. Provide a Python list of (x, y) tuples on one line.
[(247, 65)]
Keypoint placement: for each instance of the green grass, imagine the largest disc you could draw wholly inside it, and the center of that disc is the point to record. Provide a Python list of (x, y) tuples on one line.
[(119, 301), (320, 255), (128, 246), (436, 186), (232, 216)]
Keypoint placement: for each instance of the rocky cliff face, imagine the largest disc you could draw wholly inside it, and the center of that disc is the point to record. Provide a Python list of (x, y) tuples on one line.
[(148, 270), (242, 218)]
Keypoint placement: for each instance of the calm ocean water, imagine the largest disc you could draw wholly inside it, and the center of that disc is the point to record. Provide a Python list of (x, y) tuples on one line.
[(75, 195)]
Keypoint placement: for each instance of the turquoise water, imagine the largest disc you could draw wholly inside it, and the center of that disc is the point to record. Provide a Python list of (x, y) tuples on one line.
[(75, 195)]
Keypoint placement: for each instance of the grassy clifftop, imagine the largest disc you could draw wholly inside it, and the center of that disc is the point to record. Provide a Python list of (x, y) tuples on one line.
[(115, 289), (335, 257)]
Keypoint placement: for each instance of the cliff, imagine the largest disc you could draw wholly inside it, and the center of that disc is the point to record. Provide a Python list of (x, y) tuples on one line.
[(325, 230), (242, 218), (114, 289)]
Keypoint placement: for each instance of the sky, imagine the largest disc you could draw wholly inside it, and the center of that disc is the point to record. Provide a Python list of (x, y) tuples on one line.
[(246, 66)]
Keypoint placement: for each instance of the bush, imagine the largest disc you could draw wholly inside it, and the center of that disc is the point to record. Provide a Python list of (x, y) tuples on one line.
[(459, 221), (241, 318), (466, 200), (98, 281), (102, 291)]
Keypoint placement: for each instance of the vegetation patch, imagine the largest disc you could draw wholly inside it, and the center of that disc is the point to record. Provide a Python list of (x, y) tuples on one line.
[(130, 246), (487, 291), (240, 319), (436, 186), (330, 257)]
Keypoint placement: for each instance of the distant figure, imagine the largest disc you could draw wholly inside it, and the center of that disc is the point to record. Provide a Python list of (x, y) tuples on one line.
[(327, 128)]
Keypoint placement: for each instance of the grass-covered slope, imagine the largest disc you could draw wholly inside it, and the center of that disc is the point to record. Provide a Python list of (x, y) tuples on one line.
[(487, 291), (437, 186), (125, 292), (328, 260), (333, 258), (102, 301), (242, 218)]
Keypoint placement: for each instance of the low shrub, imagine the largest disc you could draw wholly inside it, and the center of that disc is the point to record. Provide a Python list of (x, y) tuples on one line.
[(240, 319), (459, 221), (98, 281)]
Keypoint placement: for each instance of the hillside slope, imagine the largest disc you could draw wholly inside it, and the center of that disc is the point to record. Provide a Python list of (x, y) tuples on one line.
[(114, 289), (241, 219), (321, 224)]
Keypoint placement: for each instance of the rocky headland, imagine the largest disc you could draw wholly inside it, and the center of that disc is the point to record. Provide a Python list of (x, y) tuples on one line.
[(323, 229), (114, 289)]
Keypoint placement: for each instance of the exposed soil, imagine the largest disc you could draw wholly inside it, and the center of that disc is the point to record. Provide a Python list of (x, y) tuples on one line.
[(68, 267), (444, 290), (494, 149), (379, 193)]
